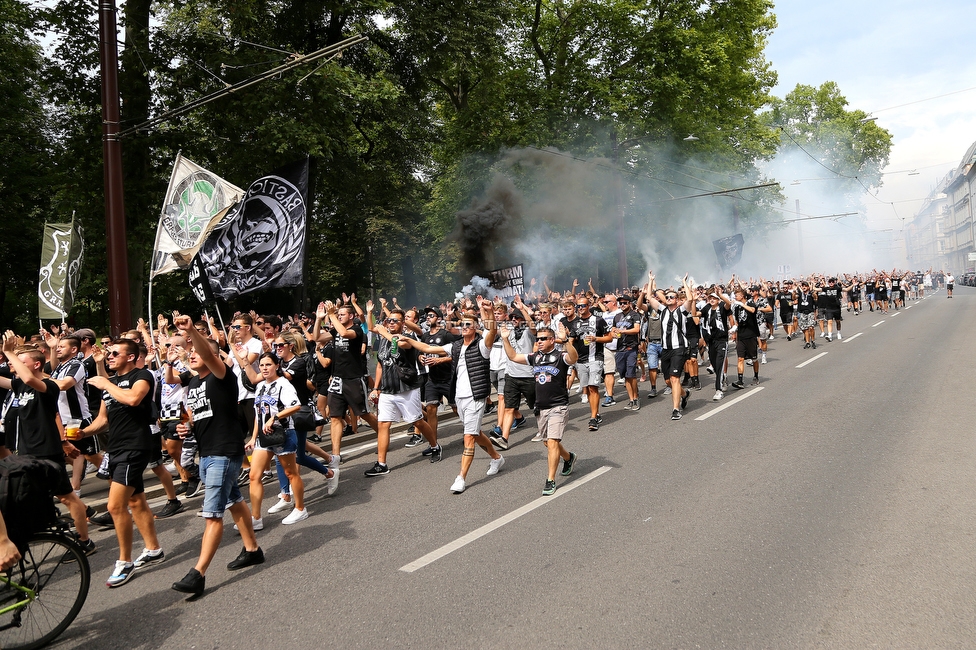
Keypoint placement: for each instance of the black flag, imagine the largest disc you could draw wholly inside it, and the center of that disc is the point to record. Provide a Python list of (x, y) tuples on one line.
[(728, 250), (199, 282), (260, 243)]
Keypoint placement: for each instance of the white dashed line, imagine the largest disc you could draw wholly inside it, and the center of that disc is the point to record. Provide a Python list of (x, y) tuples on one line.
[(878, 323), (731, 402), (474, 535), (895, 314), (811, 360)]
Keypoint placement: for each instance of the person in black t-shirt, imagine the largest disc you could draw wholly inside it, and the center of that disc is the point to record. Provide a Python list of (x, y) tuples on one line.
[(347, 388), (127, 411), (626, 329), (38, 430), (438, 384), (550, 367), (211, 399)]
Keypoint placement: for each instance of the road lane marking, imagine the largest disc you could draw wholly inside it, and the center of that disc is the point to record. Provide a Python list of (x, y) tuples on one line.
[(909, 306), (474, 535), (895, 314), (731, 402), (853, 337), (811, 360), (878, 323)]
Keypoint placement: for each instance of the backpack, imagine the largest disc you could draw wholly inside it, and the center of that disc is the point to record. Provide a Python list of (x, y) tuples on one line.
[(25, 498)]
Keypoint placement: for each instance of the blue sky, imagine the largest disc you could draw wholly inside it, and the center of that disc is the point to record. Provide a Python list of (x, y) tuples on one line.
[(884, 55)]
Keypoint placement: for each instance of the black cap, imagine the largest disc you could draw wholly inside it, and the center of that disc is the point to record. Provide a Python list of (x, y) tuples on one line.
[(433, 310)]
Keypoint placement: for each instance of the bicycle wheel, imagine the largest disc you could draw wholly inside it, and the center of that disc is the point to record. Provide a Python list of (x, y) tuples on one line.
[(58, 572)]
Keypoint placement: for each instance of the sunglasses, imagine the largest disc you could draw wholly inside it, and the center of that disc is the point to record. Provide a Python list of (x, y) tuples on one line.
[(543, 338), (466, 326), (671, 297), (236, 327), (113, 353), (393, 320), (107, 342), (579, 307), (279, 345)]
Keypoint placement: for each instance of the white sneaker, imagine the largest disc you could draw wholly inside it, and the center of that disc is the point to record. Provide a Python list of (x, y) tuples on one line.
[(838, 336), (536, 438), (171, 468), (718, 395), (256, 524), (282, 505), (334, 462), (495, 465), (584, 399), (295, 516), (332, 484), (763, 359), (458, 486), (772, 338)]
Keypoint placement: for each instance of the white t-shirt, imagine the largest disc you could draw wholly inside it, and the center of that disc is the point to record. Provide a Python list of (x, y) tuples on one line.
[(253, 346), (463, 382)]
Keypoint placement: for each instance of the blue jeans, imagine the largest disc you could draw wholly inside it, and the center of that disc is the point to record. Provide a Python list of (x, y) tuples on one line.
[(220, 474), (302, 459)]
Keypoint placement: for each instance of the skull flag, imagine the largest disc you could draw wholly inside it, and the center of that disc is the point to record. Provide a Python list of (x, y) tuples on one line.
[(260, 243), (728, 250)]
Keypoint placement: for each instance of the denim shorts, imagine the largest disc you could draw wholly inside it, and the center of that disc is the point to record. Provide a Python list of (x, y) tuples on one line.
[(653, 355), (219, 475), (290, 446)]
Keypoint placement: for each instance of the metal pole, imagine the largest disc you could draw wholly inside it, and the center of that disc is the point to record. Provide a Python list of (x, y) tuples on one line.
[(118, 266)]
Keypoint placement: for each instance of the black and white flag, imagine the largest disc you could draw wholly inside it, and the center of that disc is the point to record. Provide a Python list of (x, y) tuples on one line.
[(260, 243), (728, 250)]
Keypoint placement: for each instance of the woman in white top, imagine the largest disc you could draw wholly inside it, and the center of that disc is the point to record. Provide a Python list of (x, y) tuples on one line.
[(275, 399)]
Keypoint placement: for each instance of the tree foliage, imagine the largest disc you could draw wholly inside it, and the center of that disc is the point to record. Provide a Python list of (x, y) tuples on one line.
[(406, 130)]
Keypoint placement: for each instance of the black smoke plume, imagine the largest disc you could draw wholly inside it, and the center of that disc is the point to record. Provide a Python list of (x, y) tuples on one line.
[(488, 223)]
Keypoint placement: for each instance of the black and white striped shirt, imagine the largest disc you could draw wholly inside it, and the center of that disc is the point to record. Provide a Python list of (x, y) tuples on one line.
[(673, 327)]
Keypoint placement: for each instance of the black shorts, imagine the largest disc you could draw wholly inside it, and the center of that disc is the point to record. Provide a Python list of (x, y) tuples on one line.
[(63, 485), (156, 453), (518, 387), (87, 446), (167, 428), (434, 392), (126, 468), (786, 316), (747, 349), (351, 395), (673, 362), (832, 314), (245, 413)]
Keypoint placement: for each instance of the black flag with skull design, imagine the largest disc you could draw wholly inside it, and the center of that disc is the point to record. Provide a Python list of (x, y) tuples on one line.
[(260, 243)]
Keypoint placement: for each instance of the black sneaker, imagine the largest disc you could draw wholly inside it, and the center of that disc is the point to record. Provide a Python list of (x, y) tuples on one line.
[(192, 583), (347, 430), (813, 344), (314, 437), (635, 405), (599, 419), (378, 470), (806, 345), (653, 393), (435, 454), (87, 546), (105, 520), (755, 381), (181, 488), (268, 476), (427, 452), (171, 508), (549, 489), (414, 440), (675, 414), (246, 558), (695, 383), (90, 512), (738, 385), (244, 477), (490, 408), (789, 338), (194, 487), (594, 425), (684, 400), (568, 465)]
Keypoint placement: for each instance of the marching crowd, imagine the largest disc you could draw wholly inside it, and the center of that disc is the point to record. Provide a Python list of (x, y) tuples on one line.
[(225, 405)]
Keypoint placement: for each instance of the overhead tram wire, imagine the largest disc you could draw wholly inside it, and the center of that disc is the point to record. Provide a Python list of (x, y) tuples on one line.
[(296, 61)]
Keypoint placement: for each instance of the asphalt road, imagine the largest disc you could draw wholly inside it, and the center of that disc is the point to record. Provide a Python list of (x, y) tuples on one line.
[(832, 507)]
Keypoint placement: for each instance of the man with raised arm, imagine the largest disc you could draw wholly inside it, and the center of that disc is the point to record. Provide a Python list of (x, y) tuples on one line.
[(211, 400), (674, 343)]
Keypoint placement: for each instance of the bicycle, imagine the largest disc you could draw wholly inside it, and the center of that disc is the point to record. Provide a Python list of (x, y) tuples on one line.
[(42, 594)]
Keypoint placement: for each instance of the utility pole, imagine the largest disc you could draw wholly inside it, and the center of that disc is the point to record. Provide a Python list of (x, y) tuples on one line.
[(621, 233), (120, 318)]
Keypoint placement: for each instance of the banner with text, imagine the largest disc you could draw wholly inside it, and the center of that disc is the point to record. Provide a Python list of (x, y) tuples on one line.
[(508, 281), (61, 257)]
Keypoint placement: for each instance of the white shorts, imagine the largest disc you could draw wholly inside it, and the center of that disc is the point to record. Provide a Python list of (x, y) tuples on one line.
[(590, 372), (471, 411), (404, 407)]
